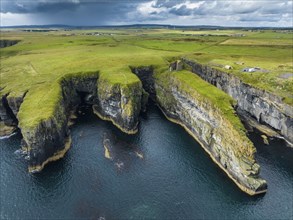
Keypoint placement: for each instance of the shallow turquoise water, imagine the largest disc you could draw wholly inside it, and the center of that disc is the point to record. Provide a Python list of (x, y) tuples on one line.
[(159, 173)]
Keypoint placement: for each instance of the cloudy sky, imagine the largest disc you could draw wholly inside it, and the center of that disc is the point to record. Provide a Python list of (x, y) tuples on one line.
[(179, 12)]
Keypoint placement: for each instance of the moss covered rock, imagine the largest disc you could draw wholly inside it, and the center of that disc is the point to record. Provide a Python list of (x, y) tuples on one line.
[(119, 102), (44, 114), (208, 115), (268, 108)]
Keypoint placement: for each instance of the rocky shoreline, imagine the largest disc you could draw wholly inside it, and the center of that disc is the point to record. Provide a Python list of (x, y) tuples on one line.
[(228, 146), (268, 109), (8, 43), (49, 140)]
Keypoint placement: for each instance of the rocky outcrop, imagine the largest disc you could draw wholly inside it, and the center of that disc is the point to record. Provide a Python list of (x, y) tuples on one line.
[(119, 103), (145, 74), (8, 43), (49, 139), (46, 137), (265, 107), (226, 144), (6, 113), (9, 107)]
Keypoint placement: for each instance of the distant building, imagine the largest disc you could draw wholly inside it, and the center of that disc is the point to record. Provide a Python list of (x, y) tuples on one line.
[(254, 69), (249, 70)]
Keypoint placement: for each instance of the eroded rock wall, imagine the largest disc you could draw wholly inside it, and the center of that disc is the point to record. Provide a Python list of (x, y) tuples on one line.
[(145, 74), (8, 43), (48, 139), (119, 103), (9, 107), (228, 147), (267, 108), (6, 113)]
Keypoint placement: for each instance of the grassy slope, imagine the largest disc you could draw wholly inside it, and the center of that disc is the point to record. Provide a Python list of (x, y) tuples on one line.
[(40, 59), (39, 62), (193, 85), (269, 50)]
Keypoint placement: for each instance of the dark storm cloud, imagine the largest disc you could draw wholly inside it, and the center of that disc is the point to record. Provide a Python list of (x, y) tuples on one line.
[(91, 12), (15, 6), (181, 11), (73, 12), (254, 18), (167, 4)]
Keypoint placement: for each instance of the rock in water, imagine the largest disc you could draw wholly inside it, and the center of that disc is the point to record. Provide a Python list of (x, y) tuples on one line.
[(265, 139)]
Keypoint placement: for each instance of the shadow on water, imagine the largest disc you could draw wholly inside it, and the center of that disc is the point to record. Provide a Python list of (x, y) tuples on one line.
[(159, 173), (277, 152)]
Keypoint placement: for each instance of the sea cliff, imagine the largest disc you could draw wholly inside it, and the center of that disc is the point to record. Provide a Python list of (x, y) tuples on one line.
[(208, 115), (120, 103), (44, 128), (7, 43), (265, 107)]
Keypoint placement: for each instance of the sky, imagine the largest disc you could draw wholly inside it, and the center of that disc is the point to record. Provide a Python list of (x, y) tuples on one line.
[(273, 13)]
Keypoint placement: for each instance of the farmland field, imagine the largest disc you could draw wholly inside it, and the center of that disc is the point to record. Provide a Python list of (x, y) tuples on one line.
[(41, 57), (141, 165)]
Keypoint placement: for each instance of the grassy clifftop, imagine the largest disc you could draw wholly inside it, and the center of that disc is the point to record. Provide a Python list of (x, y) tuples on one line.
[(42, 101), (207, 114), (39, 60), (196, 87)]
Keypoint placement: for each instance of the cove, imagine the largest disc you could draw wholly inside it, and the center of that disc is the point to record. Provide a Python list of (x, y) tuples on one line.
[(175, 178)]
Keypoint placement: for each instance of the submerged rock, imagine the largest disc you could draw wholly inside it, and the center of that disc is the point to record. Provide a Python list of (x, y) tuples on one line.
[(6, 131), (120, 152), (265, 139)]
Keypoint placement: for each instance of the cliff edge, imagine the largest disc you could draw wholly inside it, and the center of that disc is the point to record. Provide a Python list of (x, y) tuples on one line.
[(208, 115)]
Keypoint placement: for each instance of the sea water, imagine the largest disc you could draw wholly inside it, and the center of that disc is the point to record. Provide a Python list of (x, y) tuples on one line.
[(159, 173)]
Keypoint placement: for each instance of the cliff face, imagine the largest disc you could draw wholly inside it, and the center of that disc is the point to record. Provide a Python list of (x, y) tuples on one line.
[(145, 74), (226, 145), (119, 103), (47, 138), (8, 43), (265, 107), (46, 141), (9, 107), (6, 113)]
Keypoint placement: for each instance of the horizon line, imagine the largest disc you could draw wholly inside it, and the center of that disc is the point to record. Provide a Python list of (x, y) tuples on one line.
[(128, 25)]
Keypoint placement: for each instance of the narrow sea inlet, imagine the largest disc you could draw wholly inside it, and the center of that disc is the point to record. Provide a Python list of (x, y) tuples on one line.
[(159, 173)]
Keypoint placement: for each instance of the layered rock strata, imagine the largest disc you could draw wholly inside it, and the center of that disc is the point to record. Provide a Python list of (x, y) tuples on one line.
[(8, 43), (46, 137), (265, 107), (9, 107), (145, 74), (119, 103), (226, 144)]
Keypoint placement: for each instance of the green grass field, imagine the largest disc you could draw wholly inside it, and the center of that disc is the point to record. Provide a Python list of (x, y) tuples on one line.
[(40, 59)]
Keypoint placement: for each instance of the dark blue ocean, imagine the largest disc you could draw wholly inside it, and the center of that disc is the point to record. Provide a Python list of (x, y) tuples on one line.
[(159, 173)]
